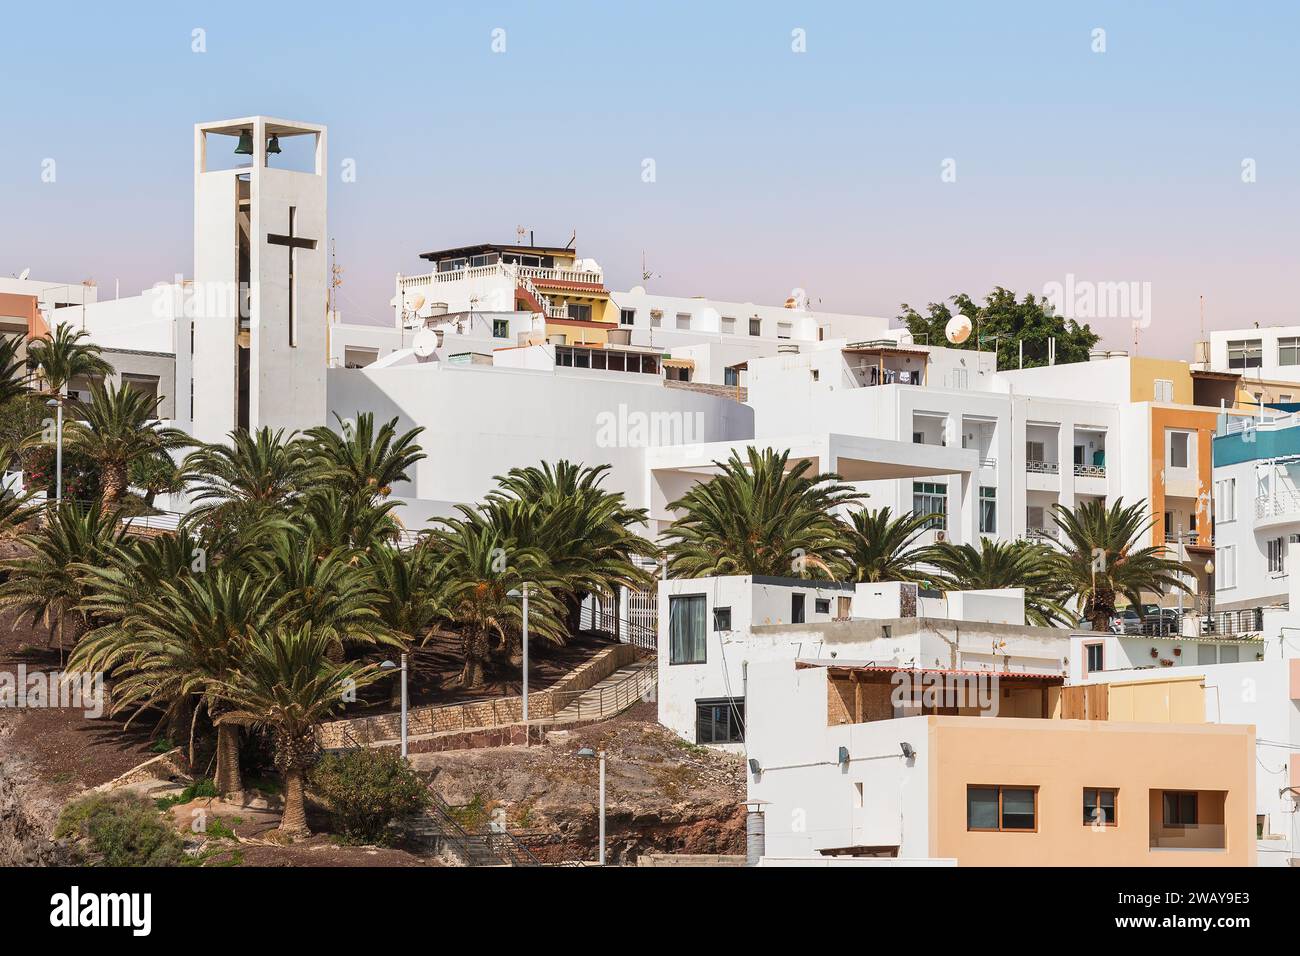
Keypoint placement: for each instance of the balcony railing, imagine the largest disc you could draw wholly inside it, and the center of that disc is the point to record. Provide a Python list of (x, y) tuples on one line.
[(1279, 504), (988, 462), (1042, 467), (501, 269), (1090, 471)]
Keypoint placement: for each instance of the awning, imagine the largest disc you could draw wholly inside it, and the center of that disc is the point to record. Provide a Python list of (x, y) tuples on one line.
[(685, 363)]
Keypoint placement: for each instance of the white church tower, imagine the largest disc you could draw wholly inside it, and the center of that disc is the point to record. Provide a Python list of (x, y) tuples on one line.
[(259, 332)]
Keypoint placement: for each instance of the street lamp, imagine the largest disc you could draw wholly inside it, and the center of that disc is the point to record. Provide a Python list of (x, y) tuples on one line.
[(587, 753), (522, 593), (57, 403), (390, 666)]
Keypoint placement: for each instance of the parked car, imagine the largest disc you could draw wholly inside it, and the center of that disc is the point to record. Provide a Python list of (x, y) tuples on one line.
[(1126, 621), (1160, 620)]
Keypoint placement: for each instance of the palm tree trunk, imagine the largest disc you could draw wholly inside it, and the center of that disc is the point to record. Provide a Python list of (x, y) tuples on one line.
[(228, 780), (293, 821), (114, 482), (476, 652)]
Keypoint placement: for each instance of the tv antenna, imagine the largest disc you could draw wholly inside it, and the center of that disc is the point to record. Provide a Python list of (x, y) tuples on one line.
[(646, 274)]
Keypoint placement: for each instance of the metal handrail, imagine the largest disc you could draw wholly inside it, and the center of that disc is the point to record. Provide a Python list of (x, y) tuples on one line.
[(610, 700)]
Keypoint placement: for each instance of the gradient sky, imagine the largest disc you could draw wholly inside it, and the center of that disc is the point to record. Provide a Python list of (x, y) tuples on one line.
[(774, 169)]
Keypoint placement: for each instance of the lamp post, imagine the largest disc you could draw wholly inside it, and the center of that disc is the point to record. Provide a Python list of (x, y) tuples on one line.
[(522, 594), (57, 404), (390, 666), (587, 753)]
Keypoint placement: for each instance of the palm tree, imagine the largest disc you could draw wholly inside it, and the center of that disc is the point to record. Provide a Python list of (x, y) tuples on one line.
[(118, 428), (881, 547), (47, 581), (761, 517), (358, 459), (410, 597), (63, 356), (346, 519), (13, 370), (478, 568), (287, 682), (179, 645), (255, 476), (158, 474), (1008, 564), (1102, 557), (586, 531)]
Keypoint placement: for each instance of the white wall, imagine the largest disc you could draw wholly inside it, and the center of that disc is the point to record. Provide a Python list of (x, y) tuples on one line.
[(1269, 368), (480, 421), (813, 801)]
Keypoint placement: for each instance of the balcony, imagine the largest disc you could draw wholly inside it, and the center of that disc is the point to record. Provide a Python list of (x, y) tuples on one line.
[(1042, 467), (1090, 471), (504, 270), (1282, 507)]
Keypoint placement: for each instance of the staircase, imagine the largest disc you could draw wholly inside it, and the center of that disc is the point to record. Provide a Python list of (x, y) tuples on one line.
[(437, 828), (611, 696)]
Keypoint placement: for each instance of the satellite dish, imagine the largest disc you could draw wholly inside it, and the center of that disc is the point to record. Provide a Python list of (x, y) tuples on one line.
[(957, 330), (637, 290), (416, 303), (24, 274), (425, 343)]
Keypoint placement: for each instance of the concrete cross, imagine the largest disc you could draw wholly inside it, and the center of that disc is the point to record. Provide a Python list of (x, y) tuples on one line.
[(294, 243)]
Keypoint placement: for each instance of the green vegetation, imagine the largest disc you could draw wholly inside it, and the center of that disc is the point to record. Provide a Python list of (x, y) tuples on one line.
[(367, 790), (120, 830)]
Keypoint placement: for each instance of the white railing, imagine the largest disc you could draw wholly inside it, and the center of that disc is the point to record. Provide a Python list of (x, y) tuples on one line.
[(518, 273), (1041, 467), (1090, 471), (1277, 504)]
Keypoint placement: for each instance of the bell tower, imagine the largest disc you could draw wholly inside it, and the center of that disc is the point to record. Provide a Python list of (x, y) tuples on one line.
[(258, 337)]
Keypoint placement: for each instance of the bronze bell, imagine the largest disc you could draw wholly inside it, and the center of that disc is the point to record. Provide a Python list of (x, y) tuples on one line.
[(245, 147)]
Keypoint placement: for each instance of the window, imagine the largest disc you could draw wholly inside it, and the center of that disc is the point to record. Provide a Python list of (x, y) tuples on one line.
[(580, 312), (783, 330), (1164, 390), (500, 328), (755, 326), (720, 721), (146, 385), (988, 510), (1207, 654), (1229, 654), (1035, 518), (627, 316), (1096, 657), (1276, 556), (918, 438), (356, 358), (684, 321), (729, 324), (731, 376), (1288, 351), (1225, 500), (1245, 353), (816, 375), (1178, 449), (1225, 566), (1002, 808), (1099, 807), (1034, 451), (686, 637), (1180, 808), (931, 498), (822, 606), (796, 609), (722, 618)]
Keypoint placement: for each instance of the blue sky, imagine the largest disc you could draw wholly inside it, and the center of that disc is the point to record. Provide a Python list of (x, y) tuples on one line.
[(774, 169)]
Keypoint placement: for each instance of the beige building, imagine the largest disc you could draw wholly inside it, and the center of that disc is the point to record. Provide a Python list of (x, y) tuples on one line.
[(990, 769)]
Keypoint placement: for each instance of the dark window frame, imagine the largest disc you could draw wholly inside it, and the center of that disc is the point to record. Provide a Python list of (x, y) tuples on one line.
[(704, 658), (734, 712), (718, 618), (998, 789), (1179, 807), (798, 608)]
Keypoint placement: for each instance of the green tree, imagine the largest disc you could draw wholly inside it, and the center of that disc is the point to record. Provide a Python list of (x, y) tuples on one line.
[(882, 547), (1008, 564), (362, 460), (47, 581), (253, 478), (287, 682), (116, 429), (1102, 557), (63, 356), (1005, 321), (761, 515), (13, 370)]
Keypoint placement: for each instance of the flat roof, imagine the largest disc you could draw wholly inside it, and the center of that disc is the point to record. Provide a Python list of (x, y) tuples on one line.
[(847, 668), (457, 252)]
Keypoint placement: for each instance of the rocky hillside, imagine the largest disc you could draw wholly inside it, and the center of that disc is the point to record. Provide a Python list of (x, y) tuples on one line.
[(663, 795)]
